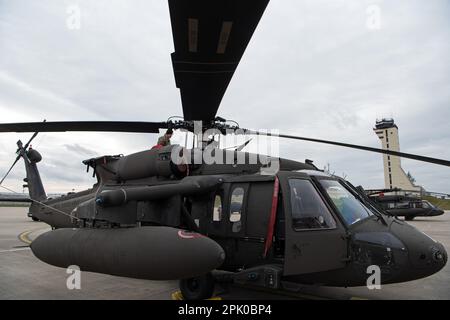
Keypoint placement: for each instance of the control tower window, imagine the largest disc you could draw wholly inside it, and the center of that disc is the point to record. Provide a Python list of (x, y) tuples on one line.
[(308, 209)]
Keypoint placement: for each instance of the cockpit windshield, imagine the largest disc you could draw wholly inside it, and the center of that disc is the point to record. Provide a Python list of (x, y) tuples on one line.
[(350, 208), (427, 205)]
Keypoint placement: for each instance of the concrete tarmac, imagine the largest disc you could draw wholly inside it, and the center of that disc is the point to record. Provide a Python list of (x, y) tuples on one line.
[(23, 276)]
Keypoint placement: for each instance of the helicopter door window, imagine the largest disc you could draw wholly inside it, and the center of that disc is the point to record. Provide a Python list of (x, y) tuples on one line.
[(237, 200), (217, 211), (418, 205), (308, 209), (404, 205)]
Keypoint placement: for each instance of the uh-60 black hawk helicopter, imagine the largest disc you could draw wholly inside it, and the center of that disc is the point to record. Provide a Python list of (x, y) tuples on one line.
[(151, 218), (403, 203)]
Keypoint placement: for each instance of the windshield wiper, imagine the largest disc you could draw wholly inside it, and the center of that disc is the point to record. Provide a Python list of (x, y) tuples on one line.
[(365, 201)]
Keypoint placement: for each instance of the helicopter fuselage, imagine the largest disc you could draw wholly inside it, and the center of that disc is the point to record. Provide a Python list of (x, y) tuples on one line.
[(299, 225)]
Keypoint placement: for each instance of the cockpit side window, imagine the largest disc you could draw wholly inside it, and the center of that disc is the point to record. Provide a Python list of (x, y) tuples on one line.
[(308, 209)]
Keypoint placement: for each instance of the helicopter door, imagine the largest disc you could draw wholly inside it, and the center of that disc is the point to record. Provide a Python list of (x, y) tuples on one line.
[(248, 217), (315, 240)]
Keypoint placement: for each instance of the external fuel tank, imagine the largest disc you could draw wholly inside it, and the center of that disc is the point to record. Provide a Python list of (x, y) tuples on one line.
[(150, 252)]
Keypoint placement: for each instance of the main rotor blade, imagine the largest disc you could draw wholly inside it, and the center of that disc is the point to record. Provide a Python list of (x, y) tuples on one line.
[(354, 146), (63, 126), (240, 147), (210, 38), (244, 145)]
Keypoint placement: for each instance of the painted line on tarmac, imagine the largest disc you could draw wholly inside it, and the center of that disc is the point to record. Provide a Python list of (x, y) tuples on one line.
[(293, 294), (178, 296), (358, 298), (14, 250), (281, 292), (24, 236)]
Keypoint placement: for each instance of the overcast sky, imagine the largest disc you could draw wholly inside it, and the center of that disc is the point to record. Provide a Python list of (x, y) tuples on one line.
[(315, 68)]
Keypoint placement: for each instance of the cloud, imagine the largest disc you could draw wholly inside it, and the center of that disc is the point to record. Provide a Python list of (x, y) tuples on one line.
[(76, 148), (313, 68)]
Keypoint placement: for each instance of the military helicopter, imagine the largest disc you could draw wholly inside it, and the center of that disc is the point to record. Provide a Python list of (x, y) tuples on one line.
[(150, 217), (403, 203)]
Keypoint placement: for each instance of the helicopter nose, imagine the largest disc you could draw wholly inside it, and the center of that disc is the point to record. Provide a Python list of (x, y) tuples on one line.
[(427, 261), (433, 258), (402, 252), (426, 256), (439, 255)]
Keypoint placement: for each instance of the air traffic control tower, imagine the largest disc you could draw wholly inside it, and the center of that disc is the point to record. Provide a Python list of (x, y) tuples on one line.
[(394, 175)]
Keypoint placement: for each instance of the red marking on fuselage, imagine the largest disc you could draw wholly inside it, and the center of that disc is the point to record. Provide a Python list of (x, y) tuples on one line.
[(272, 218), (189, 235)]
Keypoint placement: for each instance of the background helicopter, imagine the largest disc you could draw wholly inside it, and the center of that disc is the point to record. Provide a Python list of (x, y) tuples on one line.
[(147, 216), (401, 196), (398, 202)]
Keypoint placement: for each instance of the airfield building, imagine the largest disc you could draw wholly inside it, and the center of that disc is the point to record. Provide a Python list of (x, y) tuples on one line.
[(394, 175)]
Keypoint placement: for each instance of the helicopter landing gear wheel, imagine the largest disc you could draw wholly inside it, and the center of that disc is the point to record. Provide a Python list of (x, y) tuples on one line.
[(197, 288), (411, 218)]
